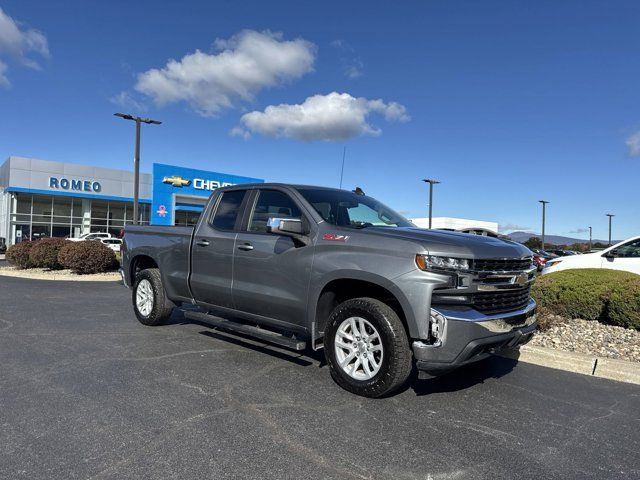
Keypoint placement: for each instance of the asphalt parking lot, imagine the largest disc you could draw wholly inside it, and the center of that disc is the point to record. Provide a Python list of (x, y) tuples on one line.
[(88, 392)]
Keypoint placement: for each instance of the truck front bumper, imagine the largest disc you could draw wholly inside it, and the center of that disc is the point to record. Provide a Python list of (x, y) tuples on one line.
[(470, 336)]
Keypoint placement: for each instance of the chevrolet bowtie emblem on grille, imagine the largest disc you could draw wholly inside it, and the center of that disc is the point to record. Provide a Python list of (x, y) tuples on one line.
[(521, 279), (176, 181)]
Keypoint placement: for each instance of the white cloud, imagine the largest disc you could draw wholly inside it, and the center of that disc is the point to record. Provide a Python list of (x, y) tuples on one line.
[(336, 116), (633, 145), (352, 65), (354, 70), (19, 44), (240, 132), (244, 64), (4, 81), (128, 101)]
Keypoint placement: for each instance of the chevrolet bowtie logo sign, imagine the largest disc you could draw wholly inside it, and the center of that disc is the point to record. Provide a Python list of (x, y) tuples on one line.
[(176, 181)]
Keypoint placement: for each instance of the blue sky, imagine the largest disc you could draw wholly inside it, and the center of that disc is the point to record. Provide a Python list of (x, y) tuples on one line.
[(505, 102)]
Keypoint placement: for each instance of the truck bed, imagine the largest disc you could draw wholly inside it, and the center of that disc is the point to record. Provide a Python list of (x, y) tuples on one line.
[(169, 247)]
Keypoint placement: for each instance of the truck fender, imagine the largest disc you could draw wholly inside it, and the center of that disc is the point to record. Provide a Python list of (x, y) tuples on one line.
[(318, 286)]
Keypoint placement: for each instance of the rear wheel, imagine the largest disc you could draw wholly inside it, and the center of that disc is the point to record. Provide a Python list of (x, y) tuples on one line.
[(366, 347), (150, 302)]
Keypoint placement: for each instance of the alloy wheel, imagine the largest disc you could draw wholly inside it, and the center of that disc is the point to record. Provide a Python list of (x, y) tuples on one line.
[(144, 297), (358, 348)]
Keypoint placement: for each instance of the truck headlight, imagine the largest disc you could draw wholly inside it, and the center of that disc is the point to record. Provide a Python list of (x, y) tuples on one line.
[(432, 262)]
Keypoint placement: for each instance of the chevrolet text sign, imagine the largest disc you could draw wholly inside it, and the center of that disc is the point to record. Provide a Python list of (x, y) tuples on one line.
[(202, 184)]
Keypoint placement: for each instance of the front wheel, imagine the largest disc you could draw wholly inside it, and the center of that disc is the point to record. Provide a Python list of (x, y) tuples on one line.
[(366, 347), (150, 302)]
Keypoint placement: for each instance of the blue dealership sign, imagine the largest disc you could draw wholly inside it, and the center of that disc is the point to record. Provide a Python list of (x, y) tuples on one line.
[(179, 188)]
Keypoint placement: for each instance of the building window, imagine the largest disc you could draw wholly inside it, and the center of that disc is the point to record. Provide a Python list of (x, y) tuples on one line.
[(186, 218), (23, 204), (37, 216), (99, 215), (42, 209)]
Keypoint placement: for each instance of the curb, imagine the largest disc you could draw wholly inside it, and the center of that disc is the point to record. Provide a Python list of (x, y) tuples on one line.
[(77, 278), (609, 368)]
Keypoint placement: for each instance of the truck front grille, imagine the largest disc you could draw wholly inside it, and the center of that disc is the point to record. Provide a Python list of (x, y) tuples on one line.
[(501, 301), (501, 265)]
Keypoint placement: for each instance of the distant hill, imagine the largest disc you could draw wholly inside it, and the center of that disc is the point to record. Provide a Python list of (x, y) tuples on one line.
[(553, 239)]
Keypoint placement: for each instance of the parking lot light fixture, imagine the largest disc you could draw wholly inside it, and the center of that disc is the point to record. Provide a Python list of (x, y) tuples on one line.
[(610, 215), (431, 183), (544, 211), (136, 158), (590, 237)]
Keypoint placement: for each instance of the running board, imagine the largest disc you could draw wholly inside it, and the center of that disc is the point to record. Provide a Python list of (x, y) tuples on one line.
[(255, 332)]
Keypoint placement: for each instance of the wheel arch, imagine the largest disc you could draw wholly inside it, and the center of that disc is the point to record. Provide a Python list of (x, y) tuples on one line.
[(345, 285), (140, 262)]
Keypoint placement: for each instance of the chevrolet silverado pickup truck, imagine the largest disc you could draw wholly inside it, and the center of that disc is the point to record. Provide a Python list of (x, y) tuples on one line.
[(311, 267)]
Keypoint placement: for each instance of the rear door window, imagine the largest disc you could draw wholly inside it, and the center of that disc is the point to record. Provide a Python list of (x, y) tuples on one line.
[(228, 210)]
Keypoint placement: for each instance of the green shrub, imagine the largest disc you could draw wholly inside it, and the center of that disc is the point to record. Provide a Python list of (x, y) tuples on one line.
[(609, 296), (18, 254), (87, 257), (44, 253)]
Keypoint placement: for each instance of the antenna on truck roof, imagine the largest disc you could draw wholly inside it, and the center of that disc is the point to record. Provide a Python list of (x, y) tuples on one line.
[(344, 153)]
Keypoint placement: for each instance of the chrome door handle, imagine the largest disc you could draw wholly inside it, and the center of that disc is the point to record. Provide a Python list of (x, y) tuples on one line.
[(202, 243), (246, 247)]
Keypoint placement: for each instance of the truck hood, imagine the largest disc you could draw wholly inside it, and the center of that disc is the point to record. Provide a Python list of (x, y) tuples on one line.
[(455, 244)]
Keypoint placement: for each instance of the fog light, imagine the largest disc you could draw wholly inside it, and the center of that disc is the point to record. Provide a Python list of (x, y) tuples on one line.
[(436, 326)]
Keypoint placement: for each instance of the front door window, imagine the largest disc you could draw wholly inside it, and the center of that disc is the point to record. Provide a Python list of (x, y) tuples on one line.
[(628, 250), (270, 204)]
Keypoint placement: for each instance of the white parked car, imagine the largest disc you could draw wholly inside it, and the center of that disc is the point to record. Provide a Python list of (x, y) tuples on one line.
[(113, 243), (92, 236), (622, 256)]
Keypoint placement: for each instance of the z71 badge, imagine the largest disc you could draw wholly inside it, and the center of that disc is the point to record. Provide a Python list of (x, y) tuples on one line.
[(335, 238)]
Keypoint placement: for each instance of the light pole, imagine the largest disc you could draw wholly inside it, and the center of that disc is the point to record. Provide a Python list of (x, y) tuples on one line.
[(590, 237), (544, 211), (610, 215), (136, 159), (431, 183)]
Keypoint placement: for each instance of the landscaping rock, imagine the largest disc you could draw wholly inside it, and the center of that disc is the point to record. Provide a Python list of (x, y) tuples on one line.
[(590, 337)]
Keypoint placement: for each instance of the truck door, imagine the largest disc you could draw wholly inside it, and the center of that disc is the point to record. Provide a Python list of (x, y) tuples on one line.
[(213, 249), (271, 272)]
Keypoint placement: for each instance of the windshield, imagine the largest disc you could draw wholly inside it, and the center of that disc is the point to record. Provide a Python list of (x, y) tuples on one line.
[(347, 209)]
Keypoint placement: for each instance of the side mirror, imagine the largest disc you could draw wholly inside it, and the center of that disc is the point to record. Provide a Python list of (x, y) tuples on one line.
[(610, 254), (286, 226)]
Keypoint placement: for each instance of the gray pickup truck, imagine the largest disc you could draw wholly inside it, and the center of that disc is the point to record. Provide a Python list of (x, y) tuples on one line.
[(312, 267)]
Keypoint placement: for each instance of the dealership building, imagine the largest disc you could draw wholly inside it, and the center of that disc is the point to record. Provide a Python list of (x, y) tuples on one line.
[(41, 198)]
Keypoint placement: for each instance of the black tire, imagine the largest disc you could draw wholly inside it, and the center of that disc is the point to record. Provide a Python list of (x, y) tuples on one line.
[(397, 360), (162, 306)]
